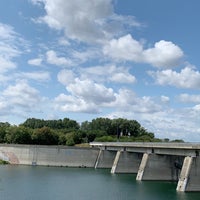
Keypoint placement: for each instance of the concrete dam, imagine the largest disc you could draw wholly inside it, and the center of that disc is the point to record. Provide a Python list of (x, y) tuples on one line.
[(177, 162)]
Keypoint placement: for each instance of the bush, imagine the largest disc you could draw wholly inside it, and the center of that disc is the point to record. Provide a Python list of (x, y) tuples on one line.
[(105, 139), (70, 139)]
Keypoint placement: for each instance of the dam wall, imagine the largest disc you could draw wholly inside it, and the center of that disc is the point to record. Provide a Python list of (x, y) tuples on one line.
[(149, 161), (49, 155), (106, 159), (163, 167), (128, 162)]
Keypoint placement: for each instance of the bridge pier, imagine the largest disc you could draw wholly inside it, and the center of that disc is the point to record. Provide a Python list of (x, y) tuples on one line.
[(185, 171), (142, 167), (193, 183), (178, 162), (116, 160)]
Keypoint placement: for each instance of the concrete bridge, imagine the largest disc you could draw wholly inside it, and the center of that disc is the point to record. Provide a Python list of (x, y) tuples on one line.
[(178, 162)]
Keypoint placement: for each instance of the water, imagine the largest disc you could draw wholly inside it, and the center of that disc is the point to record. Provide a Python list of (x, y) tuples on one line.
[(53, 183)]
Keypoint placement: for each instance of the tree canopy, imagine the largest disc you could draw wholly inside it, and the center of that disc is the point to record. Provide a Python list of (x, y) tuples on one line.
[(69, 132)]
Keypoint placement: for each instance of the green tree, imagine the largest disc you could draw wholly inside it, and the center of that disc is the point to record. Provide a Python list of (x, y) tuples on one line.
[(18, 135), (45, 136)]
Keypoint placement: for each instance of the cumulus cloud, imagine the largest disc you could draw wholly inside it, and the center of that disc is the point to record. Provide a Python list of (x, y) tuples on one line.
[(127, 100), (68, 103), (53, 59), (22, 95), (109, 73), (35, 61), (66, 77), (124, 48), (187, 78), (90, 91), (88, 21), (163, 54), (85, 96)]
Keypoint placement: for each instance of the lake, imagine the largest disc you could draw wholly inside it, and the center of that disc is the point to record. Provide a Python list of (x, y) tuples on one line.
[(54, 183)]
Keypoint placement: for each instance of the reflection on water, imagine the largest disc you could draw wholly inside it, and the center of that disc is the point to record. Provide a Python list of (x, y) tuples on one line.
[(52, 183)]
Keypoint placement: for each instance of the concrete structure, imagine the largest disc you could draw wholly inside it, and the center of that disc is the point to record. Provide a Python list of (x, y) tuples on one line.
[(156, 161), (49, 155), (178, 162)]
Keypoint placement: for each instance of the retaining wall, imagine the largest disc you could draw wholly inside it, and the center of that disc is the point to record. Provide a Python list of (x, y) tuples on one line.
[(163, 167), (49, 155), (129, 162)]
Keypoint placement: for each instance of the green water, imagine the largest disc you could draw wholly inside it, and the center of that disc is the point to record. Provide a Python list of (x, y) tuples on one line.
[(52, 183)]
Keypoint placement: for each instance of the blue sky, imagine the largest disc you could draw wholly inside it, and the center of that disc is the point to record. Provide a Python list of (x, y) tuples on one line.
[(134, 59)]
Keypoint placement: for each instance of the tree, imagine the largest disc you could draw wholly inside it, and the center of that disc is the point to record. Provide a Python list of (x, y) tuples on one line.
[(18, 135), (45, 136)]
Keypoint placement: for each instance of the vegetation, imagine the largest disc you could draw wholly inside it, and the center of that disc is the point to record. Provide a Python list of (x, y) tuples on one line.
[(69, 132), (3, 162)]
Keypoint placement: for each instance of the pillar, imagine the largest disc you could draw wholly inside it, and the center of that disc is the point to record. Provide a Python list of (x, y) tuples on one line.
[(183, 180), (114, 166), (142, 167)]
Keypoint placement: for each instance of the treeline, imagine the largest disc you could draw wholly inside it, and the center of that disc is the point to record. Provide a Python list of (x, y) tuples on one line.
[(69, 132)]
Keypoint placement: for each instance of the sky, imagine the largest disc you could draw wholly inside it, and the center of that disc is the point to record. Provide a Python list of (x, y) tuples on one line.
[(132, 59)]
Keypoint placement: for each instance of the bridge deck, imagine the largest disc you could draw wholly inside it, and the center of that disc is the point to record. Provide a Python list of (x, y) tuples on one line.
[(159, 145)]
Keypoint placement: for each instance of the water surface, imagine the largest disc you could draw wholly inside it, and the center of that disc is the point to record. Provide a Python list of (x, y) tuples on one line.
[(54, 183)]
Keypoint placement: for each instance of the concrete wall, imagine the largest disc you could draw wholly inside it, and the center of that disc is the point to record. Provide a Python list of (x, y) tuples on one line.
[(128, 162), (150, 166), (194, 176), (163, 167), (106, 159), (49, 155)]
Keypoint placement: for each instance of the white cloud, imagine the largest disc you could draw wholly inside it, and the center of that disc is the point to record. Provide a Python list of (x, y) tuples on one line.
[(66, 77), (86, 55), (53, 59), (124, 48), (35, 61), (6, 65), (68, 103), (40, 76), (98, 73), (123, 78), (187, 98), (108, 73), (21, 96), (197, 108), (163, 54), (91, 92), (8, 47), (87, 21), (165, 99), (85, 96), (187, 78), (126, 100)]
